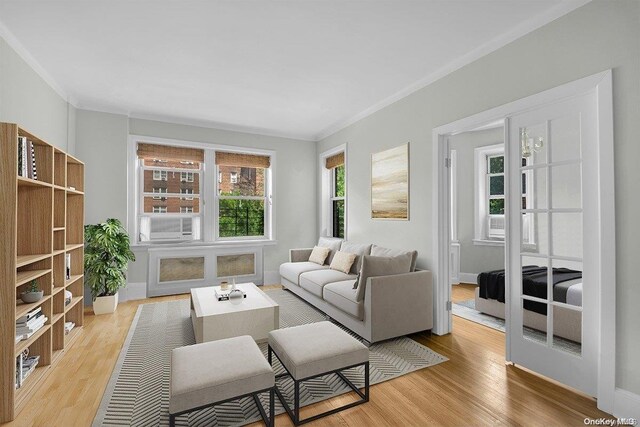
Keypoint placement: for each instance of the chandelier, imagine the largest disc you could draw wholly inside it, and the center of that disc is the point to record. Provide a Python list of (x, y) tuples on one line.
[(529, 146)]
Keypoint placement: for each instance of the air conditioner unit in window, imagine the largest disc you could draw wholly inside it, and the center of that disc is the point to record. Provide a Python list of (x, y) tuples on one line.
[(495, 226), (171, 229)]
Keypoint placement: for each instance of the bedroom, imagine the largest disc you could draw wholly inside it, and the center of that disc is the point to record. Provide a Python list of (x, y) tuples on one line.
[(478, 231)]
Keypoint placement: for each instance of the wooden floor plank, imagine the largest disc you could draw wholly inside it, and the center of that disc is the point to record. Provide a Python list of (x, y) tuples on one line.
[(475, 387)]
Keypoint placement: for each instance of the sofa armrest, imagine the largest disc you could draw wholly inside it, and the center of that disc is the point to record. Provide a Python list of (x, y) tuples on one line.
[(300, 255), (399, 304)]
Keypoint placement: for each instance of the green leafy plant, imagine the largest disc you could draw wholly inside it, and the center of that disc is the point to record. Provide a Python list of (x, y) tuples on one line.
[(33, 286), (106, 257)]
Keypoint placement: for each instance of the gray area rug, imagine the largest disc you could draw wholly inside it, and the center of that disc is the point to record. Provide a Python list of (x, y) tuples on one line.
[(467, 310), (138, 391)]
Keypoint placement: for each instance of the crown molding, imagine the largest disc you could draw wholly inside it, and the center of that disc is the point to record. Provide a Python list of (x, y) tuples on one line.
[(521, 30), (23, 53)]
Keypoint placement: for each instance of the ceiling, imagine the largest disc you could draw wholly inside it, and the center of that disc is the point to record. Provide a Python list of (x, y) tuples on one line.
[(301, 68)]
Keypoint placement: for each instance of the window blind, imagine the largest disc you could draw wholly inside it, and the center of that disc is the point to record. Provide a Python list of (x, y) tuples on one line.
[(335, 160), (167, 152), (242, 160)]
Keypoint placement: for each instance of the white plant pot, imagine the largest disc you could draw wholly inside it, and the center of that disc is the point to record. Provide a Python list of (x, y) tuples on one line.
[(105, 305)]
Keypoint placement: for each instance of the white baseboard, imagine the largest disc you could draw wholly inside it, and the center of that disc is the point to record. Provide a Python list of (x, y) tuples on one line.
[(271, 277), (469, 278), (626, 404), (133, 291)]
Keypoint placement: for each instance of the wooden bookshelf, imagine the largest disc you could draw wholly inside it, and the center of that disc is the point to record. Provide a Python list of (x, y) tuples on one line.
[(42, 222)]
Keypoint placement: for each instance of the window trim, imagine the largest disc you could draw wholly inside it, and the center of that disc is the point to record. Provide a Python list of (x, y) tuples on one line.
[(208, 184), (326, 186)]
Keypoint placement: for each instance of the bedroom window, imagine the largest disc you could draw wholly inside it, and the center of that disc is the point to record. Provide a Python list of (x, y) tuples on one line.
[(490, 197), (173, 187), (334, 193)]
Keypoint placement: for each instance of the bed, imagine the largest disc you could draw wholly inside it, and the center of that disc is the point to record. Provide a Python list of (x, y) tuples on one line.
[(567, 288)]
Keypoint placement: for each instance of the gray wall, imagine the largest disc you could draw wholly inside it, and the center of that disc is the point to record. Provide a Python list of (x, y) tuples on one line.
[(473, 258), (102, 142), (26, 99), (593, 38)]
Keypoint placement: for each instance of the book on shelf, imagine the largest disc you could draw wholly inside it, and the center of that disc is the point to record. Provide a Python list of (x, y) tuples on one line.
[(25, 365), (26, 159), (68, 326), (29, 315), (26, 333), (68, 296), (31, 322), (68, 265)]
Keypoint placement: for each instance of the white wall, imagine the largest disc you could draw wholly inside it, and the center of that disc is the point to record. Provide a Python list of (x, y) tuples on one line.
[(26, 99), (593, 38), (473, 258), (102, 141)]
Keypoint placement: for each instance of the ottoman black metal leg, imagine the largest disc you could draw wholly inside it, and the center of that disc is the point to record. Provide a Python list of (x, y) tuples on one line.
[(172, 420)]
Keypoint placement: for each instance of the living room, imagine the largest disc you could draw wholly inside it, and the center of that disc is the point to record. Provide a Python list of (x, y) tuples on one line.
[(285, 127)]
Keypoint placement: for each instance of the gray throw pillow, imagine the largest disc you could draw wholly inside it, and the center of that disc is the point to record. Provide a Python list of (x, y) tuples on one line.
[(374, 266), (380, 251), (333, 243), (359, 249)]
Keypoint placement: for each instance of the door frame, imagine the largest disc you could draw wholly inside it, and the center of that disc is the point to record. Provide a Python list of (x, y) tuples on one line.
[(602, 84)]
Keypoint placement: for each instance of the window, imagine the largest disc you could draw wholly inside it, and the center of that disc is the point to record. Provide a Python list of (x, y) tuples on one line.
[(173, 187), (337, 201), (334, 194), (242, 201), (490, 200), (159, 175), (186, 191), (159, 190)]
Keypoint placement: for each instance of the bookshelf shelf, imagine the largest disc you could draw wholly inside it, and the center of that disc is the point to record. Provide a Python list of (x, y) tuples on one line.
[(43, 224), (26, 276), (22, 308), (22, 345), (28, 182), (74, 301), (73, 279), (22, 260)]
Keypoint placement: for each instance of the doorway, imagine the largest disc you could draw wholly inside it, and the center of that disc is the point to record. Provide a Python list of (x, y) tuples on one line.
[(587, 97)]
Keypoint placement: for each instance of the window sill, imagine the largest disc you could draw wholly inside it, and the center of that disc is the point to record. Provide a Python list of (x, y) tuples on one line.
[(483, 242), (191, 245)]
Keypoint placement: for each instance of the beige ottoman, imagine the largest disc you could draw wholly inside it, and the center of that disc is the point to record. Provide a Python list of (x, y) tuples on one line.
[(314, 350), (216, 372)]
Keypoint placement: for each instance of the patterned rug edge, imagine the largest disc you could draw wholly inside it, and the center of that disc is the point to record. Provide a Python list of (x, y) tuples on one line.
[(100, 416)]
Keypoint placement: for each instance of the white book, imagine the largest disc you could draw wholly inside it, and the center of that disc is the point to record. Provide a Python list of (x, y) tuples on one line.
[(29, 315)]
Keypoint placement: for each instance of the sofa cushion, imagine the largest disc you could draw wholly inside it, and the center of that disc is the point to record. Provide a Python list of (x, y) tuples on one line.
[(374, 266), (314, 281), (385, 252), (343, 261), (292, 270), (333, 243), (343, 296), (360, 249), (319, 255)]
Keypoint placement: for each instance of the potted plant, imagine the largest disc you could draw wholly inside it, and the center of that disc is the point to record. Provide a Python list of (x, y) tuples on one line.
[(106, 258), (32, 294)]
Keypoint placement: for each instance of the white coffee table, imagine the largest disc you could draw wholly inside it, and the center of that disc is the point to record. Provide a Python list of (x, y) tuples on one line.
[(256, 315)]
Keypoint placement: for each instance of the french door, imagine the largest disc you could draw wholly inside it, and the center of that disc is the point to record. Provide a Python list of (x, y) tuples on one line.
[(553, 241)]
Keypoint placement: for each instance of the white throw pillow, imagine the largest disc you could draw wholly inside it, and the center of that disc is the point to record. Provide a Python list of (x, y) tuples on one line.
[(342, 261), (319, 254)]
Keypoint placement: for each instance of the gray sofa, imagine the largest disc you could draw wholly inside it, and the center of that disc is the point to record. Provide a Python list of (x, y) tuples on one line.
[(393, 305)]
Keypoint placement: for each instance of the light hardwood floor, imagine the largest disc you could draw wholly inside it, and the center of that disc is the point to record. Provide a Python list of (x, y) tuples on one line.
[(474, 387)]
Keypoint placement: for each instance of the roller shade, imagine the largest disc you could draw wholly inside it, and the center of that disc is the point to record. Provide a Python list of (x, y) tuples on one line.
[(242, 160), (335, 160), (167, 152)]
